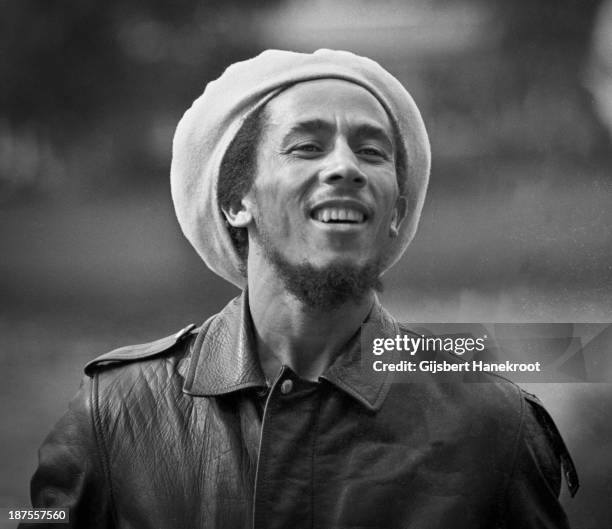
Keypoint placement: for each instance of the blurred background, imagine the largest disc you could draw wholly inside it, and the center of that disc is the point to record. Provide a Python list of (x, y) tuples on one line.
[(517, 96)]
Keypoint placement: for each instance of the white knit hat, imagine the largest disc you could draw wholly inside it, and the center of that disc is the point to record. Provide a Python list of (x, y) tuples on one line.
[(208, 127)]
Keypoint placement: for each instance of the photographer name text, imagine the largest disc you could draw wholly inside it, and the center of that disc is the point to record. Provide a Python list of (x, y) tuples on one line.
[(457, 345), (432, 366)]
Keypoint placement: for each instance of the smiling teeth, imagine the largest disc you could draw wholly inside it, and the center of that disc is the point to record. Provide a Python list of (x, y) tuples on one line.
[(339, 214)]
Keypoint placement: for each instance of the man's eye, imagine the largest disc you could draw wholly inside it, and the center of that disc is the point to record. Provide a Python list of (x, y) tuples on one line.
[(370, 151), (307, 147)]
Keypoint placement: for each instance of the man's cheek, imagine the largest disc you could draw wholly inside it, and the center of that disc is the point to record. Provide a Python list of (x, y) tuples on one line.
[(272, 202)]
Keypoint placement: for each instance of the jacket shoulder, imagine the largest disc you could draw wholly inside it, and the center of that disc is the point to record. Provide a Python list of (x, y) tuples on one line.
[(546, 425), (143, 351)]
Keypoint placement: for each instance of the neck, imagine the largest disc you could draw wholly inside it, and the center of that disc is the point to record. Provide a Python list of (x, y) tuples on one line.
[(289, 333)]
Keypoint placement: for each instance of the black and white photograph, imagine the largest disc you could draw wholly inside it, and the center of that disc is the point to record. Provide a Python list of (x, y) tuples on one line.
[(332, 264)]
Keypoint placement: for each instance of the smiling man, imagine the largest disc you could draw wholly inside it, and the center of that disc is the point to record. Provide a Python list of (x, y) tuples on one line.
[(322, 215), (300, 178)]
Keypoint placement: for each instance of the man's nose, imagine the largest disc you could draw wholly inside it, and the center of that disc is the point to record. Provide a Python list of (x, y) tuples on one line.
[(342, 168)]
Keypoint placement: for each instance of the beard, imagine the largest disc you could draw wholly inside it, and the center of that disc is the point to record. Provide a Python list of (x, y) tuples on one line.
[(323, 288)]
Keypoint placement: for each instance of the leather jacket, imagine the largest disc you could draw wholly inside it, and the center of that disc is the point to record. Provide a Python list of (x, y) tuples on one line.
[(185, 433)]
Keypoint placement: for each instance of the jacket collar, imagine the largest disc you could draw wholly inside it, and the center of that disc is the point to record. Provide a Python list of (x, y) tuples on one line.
[(224, 360)]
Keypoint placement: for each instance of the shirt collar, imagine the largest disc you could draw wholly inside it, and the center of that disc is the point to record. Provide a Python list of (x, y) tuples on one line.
[(224, 360)]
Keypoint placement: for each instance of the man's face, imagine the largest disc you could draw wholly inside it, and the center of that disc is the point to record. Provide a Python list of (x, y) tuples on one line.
[(326, 188)]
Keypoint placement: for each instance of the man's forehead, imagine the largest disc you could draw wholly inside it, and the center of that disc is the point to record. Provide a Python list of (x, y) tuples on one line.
[(322, 101)]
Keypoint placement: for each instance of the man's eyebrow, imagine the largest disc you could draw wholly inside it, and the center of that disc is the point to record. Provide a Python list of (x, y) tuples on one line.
[(367, 130), (310, 125), (361, 130)]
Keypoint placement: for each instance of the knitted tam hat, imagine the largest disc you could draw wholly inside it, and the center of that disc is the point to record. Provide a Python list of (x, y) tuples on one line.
[(206, 130)]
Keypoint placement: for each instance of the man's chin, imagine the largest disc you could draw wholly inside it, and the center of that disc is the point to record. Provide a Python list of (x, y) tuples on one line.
[(328, 286)]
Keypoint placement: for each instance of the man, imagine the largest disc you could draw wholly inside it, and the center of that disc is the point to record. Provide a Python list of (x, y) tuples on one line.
[(299, 178)]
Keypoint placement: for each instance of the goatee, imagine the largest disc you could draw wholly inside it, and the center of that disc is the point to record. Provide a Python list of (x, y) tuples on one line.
[(326, 288)]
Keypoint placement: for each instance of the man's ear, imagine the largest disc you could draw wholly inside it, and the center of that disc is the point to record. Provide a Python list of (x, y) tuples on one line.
[(399, 214), (239, 215)]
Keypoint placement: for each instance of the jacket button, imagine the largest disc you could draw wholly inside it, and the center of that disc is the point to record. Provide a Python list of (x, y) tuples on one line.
[(286, 386)]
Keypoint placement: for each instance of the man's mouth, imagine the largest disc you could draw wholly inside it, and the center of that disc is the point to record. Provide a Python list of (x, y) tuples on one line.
[(338, 215), (340, 211)]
